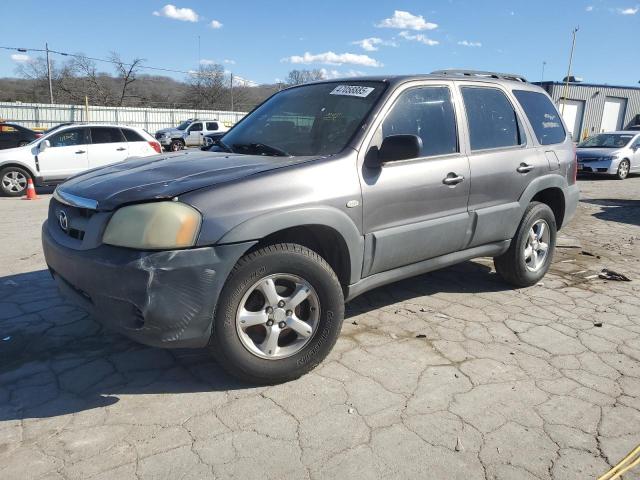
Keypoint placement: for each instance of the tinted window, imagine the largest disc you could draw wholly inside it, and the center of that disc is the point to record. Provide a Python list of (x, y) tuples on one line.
[(543, 116), (196, 127), (428, 113), (106, 135), (212, 126), (132, 135), (68, 138), (492, 121)]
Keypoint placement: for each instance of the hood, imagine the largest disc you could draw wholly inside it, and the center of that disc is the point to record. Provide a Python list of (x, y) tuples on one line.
[(165, 176), (597, 152), (16, 153), (171, 130)]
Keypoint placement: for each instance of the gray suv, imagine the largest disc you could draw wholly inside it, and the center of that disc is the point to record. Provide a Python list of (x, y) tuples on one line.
[(323, 192)]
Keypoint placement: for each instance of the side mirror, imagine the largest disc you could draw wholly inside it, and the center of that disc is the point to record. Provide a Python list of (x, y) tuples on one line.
[(44, 145), (400, 147)]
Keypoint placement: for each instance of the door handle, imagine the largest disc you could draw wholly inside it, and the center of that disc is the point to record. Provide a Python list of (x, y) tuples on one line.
[(120, 149), (524, 168), (80, 151), (453, 179)]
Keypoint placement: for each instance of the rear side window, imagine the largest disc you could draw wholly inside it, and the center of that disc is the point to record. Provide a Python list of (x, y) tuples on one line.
[(106, 135), (428, 113), (493, 123), (132, 135), (543, 116), (212, 126)]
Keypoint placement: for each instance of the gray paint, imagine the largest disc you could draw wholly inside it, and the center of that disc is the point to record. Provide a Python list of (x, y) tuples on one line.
[(594, 97)]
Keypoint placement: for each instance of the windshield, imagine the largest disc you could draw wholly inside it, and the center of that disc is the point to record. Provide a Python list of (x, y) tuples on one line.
[(317, 119), (184, 125), (606, 140)]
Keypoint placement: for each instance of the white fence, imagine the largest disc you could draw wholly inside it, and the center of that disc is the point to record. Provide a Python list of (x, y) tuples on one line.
[(44, 115)]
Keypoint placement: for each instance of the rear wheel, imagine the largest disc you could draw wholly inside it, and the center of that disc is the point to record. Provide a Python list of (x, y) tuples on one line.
[(623, 170), (278, 315), (13, 181), (531, 250)]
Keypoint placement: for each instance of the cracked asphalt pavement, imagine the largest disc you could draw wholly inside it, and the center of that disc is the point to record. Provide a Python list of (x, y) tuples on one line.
[(450, 375)]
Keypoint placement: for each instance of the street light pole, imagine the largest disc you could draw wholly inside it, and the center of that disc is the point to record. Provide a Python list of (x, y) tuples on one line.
[(46, 47), (566, 85)]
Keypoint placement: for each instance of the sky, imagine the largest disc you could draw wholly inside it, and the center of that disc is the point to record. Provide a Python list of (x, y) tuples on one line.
[(262, 41)]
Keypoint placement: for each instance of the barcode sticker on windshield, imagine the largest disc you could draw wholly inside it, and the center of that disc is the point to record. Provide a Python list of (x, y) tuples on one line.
[(352, 91)]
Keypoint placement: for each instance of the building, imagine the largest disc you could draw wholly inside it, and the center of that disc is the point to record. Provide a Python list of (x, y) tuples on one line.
[(590, 108)]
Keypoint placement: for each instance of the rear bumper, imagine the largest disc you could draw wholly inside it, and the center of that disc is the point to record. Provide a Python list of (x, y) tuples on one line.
[(571, 199), (162, 299)]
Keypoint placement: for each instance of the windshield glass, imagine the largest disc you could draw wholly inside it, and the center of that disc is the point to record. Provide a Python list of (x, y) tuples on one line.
[(606, 140), (317, 119), (184, 125)]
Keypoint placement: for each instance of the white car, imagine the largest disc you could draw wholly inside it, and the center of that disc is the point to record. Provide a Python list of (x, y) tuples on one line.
[(69, 149)]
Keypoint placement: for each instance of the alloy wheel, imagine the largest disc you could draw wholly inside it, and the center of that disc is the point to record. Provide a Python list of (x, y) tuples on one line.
[(14, 181), (537, 246)]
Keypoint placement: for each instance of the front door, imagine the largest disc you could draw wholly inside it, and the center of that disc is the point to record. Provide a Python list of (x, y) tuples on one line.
[(66, 156), (108, 145), (412, 211), (195, 134)]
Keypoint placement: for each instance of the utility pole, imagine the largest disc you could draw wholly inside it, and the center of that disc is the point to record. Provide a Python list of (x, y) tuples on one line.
[(46, 47), (231, 92), (544, 64), (566, 85)]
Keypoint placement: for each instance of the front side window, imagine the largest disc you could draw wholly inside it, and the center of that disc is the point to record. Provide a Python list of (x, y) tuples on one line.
[(428, 113), (315, 119), (196, 127), (493, 122), (212, 126), (543, 116), (106, 135), (607, 140), (68, 138)]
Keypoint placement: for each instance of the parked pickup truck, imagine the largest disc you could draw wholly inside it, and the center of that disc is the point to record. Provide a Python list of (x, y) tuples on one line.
[(189, 133)]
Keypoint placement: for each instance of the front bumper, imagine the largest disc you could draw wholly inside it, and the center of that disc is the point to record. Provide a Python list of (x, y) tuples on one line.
[(605, 167), (162, 299)]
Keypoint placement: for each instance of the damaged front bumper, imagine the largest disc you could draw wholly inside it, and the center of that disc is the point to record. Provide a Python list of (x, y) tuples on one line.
[(162, 299)]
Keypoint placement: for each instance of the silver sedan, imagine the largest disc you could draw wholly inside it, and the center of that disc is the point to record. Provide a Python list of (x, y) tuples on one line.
[(611, 153)]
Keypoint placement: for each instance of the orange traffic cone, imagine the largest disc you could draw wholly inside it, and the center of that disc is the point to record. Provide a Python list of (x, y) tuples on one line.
[(31, 191)]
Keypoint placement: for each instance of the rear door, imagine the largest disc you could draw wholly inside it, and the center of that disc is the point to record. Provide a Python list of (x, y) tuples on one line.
[(138, 145), (502, 160), (195, 134), (108, 145), (67, 154), (409, 213)]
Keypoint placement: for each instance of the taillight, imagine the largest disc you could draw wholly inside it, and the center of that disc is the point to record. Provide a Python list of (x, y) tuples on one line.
[(156, 147)]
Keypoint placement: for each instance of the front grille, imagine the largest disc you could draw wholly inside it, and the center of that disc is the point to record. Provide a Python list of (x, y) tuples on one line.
[(588, 159), (76, 219), (159, 135)]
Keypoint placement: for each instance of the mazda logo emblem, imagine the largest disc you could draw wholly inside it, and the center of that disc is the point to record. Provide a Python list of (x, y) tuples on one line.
[(63, 221)]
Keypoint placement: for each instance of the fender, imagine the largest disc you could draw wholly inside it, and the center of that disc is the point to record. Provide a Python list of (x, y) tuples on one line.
[(264, 225), (542, 183), (18, 163)]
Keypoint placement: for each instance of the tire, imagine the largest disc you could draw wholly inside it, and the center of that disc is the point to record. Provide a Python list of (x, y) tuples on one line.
[(176, 145), (13, 181), (233, 345), (515, 266), (623, 169)]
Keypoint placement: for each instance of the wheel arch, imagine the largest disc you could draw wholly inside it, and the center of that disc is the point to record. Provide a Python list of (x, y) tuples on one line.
[(19, 165), (549, 190)]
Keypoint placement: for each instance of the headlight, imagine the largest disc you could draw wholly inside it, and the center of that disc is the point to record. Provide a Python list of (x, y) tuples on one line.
[(153, 226)]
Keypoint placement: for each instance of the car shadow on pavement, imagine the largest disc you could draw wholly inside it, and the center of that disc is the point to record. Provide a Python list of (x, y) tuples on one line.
[(56, 360), (617, 210)]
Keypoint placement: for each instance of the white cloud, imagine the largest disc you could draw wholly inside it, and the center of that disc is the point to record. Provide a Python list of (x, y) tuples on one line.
[(182, 14), (215, 24), (331, 58), (589, 8), (332, 74), (419, 37), (372, 44), (628, 11), (466, 43), (406, 21), (20, 57), (229, 62)]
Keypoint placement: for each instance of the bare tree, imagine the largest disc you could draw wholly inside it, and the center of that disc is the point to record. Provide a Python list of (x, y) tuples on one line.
[(207, 86), (127, 74), (298, 77)]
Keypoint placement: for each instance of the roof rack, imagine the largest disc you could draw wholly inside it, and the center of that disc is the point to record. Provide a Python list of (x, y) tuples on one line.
[(479, 73)]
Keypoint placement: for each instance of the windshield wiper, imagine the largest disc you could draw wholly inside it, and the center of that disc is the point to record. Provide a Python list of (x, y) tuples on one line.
[(266, 149)]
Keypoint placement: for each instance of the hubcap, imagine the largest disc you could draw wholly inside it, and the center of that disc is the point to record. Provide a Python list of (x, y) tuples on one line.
[(14, 181), (537, 246), (623, 169), (278, 316)]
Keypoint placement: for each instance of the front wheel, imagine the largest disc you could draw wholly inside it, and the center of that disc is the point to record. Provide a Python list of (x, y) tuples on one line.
[(623, 170), (531, 251), (176, 145), (278, 316), (13, 181)]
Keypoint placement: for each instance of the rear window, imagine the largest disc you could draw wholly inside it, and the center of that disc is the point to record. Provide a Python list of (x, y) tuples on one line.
[(212, 126), (106, 135), (132, 135), (543, 116)]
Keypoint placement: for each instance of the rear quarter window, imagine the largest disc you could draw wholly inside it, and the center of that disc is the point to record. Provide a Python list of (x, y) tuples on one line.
[(543, 116), (132, 135)]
